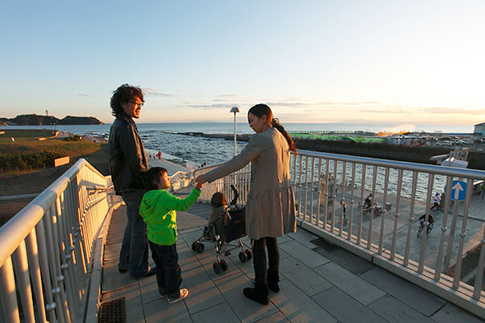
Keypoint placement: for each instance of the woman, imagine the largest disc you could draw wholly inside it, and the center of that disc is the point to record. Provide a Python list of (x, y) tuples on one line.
[(270, 210)]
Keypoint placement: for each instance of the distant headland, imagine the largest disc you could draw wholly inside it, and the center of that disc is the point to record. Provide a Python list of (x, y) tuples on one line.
[(37, 120)]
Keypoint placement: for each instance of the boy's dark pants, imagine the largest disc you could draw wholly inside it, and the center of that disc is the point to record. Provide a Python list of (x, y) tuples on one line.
[(169, 274)]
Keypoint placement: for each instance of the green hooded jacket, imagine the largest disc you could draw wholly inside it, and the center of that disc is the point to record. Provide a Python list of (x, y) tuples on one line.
[(158, 211)]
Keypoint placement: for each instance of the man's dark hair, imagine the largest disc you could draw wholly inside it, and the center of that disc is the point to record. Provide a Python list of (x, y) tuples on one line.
[(123, 94)]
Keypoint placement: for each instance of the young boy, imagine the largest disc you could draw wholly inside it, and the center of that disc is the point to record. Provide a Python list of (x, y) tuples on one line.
[(158, 211)]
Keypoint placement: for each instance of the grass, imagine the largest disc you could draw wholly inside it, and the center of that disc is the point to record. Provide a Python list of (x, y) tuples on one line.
[(36, 180), (337, 138), (28, 152)]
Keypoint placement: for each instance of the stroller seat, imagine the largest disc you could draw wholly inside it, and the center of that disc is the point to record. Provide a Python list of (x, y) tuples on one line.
[(222, 231)]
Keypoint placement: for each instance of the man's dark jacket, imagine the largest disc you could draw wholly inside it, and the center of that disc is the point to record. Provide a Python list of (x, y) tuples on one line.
[(127, 158)]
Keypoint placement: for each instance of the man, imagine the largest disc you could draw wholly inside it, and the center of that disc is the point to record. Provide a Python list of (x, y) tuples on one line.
[(127, 162), (368, 201), (436, 200)]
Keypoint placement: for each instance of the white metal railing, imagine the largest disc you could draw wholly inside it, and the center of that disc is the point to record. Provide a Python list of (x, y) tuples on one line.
[(46, 249), (240, 179), (322, 181)]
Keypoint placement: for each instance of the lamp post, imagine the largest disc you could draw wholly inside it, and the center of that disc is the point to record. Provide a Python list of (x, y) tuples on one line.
[(235, 110)]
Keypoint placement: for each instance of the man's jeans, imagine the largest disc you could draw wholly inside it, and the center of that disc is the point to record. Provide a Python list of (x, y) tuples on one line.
[(169, 274), (259, 258), (134, 249)]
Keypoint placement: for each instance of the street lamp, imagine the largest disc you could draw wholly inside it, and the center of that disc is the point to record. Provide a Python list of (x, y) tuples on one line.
[(235, 110)]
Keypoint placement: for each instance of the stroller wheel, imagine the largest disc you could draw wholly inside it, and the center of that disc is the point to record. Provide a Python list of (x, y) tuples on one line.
[(242, 256), (223, 265), (217, 268), (194, 246), (249, 254), (200, 247)]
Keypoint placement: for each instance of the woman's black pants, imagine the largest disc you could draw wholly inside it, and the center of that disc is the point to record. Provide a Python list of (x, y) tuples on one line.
[(261, 266)]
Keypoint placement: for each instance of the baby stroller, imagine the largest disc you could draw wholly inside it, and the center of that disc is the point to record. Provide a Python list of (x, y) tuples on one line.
[(221, 231)]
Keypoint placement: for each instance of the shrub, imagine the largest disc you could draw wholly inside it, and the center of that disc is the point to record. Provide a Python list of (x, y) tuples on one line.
[(24, 161), (73, 138)]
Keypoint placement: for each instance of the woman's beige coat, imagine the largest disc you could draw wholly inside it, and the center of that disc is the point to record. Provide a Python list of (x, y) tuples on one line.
[(270, 210)]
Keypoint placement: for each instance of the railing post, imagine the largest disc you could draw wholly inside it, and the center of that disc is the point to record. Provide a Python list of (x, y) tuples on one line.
[(23, 281), (352, 201), (426, 224), (9, 296), (444, 228), (361, 206), (451, 237), (410, 219), (477, 290), (33, 255), (396, 215), (459, 259), (384, 210), (51, 305), (372, 210), (319, 191)]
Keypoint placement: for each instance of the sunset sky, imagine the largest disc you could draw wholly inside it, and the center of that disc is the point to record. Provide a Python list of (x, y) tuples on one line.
[(381, 61)]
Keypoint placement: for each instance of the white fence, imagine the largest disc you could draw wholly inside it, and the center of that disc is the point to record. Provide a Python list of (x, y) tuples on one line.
[(46, 251), (404, 192)]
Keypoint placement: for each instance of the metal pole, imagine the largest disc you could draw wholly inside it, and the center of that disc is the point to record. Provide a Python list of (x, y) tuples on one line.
[(235, 110), (235, 136)]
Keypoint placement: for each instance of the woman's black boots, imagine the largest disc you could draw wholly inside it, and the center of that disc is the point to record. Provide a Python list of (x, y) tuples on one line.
[(273, 279), (258, 294)]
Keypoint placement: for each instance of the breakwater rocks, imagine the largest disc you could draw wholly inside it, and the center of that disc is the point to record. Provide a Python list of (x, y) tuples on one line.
[(419, 154)]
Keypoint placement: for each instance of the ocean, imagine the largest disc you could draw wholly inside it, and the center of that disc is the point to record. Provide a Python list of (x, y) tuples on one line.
[(198, 150)]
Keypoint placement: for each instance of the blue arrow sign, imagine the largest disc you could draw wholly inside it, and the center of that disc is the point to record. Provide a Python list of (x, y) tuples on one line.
[(458, 190)]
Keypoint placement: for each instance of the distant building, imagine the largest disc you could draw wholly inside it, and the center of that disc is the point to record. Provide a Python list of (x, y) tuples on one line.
[(404, 140), (480, 129)]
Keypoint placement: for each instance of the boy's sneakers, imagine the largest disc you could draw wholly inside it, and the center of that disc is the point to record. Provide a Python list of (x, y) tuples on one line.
[(184, 292)]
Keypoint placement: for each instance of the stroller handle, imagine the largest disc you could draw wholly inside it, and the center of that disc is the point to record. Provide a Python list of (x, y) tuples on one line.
[(236, 195)]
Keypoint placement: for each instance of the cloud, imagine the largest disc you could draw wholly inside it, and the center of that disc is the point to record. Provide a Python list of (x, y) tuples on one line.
[(155, 92), (213, 106), (448, 110), (229, 96), (87, 95)]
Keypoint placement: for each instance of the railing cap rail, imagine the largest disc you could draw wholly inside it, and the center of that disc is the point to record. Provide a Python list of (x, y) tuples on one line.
[(435, 169)]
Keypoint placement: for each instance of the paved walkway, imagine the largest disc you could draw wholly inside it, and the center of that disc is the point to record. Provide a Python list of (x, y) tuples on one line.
[(317, 285)]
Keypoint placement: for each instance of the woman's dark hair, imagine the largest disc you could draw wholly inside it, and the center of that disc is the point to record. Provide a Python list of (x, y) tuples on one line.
[(151, 176), (124, 94), (260, 110), (218, 199)]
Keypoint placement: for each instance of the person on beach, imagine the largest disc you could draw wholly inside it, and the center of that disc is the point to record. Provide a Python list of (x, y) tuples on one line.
[(423, 217), (343, 205), (436, 201), (158, 211), (368, 201), (270, 209), (127, 163)]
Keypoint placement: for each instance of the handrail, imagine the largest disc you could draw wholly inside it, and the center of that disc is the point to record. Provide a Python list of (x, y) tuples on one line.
[(51, 241), (322, 181)]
